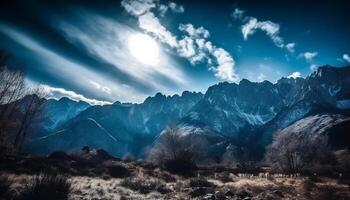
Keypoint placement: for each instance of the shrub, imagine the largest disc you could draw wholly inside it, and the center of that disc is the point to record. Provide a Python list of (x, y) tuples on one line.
[(119, 171), (45, 186), (307, 187), (224, 177), (293, 153), (145, 186), (59, 155), (177, 152), (5, 186), (242, 157), (200, 182), (167, 177), (325, 193), (103, 155), (128, 157), (180, 166)]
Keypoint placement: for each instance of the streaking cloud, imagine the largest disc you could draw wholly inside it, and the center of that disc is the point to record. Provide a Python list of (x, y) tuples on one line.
[(74, 73), (57, 93), (107, 42), (193, 45)]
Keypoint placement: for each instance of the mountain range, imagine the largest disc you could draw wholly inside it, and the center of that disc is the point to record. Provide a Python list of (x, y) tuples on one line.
[(228, 113)]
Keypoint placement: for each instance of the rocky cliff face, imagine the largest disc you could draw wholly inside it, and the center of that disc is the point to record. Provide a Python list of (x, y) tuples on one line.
[(226, 110)]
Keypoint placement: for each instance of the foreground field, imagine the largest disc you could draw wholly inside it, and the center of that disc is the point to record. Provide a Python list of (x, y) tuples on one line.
[(219, 186), (103, 178)]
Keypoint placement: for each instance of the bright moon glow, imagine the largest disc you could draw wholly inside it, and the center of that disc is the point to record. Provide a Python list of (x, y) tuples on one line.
[(144, 49)]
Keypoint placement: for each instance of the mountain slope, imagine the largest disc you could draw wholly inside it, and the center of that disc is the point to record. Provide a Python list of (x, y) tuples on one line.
[(135, 125), (229, 107), (246, 111), (59, 111), (335, 126)]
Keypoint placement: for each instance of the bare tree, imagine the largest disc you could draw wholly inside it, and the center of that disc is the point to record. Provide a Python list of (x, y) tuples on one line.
[(240, 157), (292, 152), (19, 105), (33, 110), (12, 88), (177, 150)]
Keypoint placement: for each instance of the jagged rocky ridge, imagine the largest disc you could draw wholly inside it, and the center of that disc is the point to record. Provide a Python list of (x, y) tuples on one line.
[(225, 111)]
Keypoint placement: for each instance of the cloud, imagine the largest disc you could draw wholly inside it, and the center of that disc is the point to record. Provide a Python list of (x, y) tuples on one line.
[(193, 45), (99, 86), (196, 47), (193, 32), (261, 77), (94, 84), (138, 7), (57, 93), (271, 29), (346, 57), (148, 21), (237, 13), (172, 6), (151, 24), (225, 68), (106, 89), (107, 42), (308, 56), (73, 73), (295, 75), (176, 7), (313, 67), (290, 47)]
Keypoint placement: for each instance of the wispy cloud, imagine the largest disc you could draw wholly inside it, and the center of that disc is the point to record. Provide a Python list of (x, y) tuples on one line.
[(308, 56), (176, 7), (57, 93), (313, 67), (151, 24), (271, 29), (238, 14), (261, 77), (73, 73), (346, 57), (108, 42), (100, 87), (295, 75), (192, 45), (290, 47)]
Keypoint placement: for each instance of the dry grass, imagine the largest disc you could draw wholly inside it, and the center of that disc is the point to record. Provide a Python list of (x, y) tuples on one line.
[(162, 185)]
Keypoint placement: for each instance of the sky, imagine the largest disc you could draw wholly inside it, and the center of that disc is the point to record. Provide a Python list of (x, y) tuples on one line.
[(106, 51)]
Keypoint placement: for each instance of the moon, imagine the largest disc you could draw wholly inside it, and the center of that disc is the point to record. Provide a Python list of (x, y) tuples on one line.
[(144, 48)]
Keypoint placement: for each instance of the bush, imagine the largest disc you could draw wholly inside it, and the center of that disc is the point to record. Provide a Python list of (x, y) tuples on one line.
[(177, 152), (167, 177), (5, 186), (145, 186), (293, 153), (307, 187), (325, 193), (103, 155), (60, 155), (45, 186), (179, 166), (200, 182), (128, 157), (119, 171)]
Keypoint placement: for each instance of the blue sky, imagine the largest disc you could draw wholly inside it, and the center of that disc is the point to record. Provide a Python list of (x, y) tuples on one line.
[(82, 49)]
